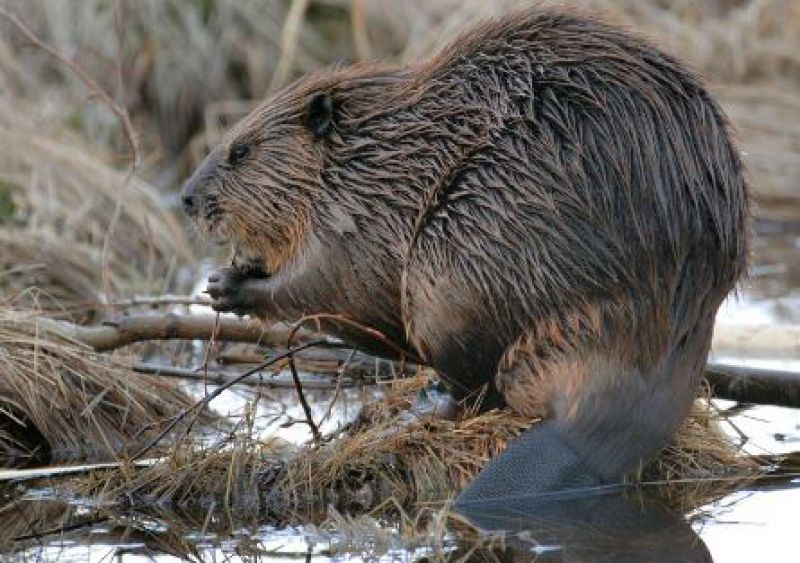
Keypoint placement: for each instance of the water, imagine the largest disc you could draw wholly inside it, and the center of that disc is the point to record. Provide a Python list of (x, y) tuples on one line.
[(756, 524)]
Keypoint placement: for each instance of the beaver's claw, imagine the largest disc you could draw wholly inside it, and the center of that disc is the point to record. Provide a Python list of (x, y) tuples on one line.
[(227, 288)]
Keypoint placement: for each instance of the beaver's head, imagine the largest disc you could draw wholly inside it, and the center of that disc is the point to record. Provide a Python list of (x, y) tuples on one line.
[(255, 189), (338, 147)]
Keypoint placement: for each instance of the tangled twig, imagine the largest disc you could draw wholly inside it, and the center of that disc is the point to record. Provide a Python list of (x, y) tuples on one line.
[(203, 403)]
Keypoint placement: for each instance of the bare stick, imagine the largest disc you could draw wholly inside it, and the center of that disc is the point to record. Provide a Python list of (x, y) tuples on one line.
[(84, 523), (166, 326), (200, 405), (338, 390), (358, 21), (134, 161), (220, 377), (291, 35), (161, 301), (303, 402)]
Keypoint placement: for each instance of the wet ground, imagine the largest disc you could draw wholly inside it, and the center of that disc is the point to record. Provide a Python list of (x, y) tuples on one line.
[(756, 524)]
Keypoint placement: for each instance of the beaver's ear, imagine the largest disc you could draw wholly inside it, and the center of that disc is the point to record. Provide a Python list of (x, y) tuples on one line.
[(319, 114)]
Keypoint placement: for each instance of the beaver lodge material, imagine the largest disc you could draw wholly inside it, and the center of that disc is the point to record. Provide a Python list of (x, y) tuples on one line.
[(382, 465)]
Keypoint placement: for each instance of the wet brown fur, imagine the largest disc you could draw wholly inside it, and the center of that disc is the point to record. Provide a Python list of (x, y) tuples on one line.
[(550, 205)]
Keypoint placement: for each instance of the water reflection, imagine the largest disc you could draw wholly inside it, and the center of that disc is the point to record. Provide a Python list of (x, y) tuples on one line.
[(610, 527)]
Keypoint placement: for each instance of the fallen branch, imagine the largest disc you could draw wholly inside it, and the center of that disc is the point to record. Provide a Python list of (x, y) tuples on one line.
[(754, 385), (736, 383), (328, 361), (167, 326), (729, 382), (161, 301)]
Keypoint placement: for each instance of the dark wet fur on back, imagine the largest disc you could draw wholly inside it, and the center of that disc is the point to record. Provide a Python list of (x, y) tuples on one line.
[(550, 206)]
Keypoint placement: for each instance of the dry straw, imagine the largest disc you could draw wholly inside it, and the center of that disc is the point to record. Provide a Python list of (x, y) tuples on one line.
[(60, 401), (383, 466), (63, 193)]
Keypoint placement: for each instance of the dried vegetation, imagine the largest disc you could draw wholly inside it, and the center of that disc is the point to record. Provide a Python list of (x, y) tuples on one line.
[(61, 401), (384, 465), (184, 70)]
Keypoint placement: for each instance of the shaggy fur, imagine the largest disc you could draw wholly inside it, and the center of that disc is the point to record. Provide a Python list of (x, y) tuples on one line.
[(550, 205)]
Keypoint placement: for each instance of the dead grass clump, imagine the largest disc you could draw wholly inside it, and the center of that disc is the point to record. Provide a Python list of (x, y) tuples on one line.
[(180, 59), (59, 400), (63, 195), (702, 463), (384, 463)]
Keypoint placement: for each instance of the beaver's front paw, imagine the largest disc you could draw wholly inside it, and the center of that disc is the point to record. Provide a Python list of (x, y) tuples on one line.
[(228, 291)]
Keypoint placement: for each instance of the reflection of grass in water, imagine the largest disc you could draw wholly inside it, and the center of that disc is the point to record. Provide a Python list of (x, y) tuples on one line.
[(29, 528)]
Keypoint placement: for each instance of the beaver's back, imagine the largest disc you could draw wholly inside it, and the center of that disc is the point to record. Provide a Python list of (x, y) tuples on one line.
[(607, 175)]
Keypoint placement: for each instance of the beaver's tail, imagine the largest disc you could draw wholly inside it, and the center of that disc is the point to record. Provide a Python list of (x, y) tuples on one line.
[(600, 431)]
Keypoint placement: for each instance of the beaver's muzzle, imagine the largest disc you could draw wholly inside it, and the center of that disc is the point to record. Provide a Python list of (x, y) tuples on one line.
[(196, 187)]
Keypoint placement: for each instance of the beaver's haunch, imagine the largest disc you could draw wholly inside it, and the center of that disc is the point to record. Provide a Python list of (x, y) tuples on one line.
[(550, 207)]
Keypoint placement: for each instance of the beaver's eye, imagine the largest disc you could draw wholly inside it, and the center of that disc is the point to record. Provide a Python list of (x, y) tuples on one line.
[(237, 153), (319, 114)]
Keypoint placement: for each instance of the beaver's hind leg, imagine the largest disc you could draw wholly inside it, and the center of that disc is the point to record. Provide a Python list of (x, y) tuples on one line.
[(603, 418)]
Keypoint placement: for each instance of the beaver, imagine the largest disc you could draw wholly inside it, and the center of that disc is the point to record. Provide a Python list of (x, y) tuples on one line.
[(548, 212)]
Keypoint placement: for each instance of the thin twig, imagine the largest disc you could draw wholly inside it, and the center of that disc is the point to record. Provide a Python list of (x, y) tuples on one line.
[(62, 529), (161, 300), (316, 381), (303, 402), (95, 91), (376, 334), (402, 353), (131, 170), (200, 405), (338, 390), (358, 21)]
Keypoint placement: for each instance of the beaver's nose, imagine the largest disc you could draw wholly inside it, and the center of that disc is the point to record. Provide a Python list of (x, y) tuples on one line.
[(191, 196), (196, 187), (189, 204)]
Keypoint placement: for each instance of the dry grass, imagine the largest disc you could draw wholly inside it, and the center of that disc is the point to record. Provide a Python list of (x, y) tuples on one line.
[(377, 469), (61, 401), (182, 61), (63, 195), (189, 66)]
